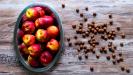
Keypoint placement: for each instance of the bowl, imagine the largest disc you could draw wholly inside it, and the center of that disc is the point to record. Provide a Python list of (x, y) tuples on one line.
[(16, 43)]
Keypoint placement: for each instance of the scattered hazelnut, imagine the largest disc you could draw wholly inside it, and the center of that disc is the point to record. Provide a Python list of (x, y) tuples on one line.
[(86, 56), (122, 35), (93, 51), (81, 15), (81, 46), (111, 50), (91, 69), (77, 10), (85, 19), (118, 28), (78, 50), (128, 70), (79, 57), (110, 44), (83, 35), (82, 43), (108, 57), (121, 44), (120, 54), (73, 26), (68, 39), (86, 8), (70, 44), (92, 22), (97, 56), (81, 24), (122, 68), (85, 47), (113, 56), (111, 22), (121, 59), (80, 27), (110, 16), (75, 37), (94, 14), (114, 62), (63, 5), (115, 47)]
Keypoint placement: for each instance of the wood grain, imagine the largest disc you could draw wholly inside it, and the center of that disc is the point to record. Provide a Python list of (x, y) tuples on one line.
[(69, 64)]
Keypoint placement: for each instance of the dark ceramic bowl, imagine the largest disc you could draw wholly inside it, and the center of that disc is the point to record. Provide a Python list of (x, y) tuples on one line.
[(60, 38)]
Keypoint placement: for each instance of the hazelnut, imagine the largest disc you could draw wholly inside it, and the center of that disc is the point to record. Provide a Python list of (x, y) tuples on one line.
[(68, 39), (94, 45), (86, 8), (121, 44), (85, 19), (110, 16), (105, 51), (102, 36), (108, 57), (76, 43), (75, 37), (70, 44), (118, 28), (86, 56), (92, 36), (118, 61), (78, 50), (97, 56), (81, 15), (94, 14), (80, 31), (123, 35), (91, 69), (83, 35), (73, 26), (93, 22), (80, 27), (81, 46), (101, 51), (77, 31), (104, 25), (110, 44), (97, 43), (121, 59), (85, 47), (82, 43), (87, 33), (128, 70), (115, 47), (111, 22), (88, 50), (79, 57), (95, 32), (122, 68), (111, 50), (81, 24), (77, 10), (113, 56), (114, 62), (63, 5), (93, 51), (120, 54), (85, 51)]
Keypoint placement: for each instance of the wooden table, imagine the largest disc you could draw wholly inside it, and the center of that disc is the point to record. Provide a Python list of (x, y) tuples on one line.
[(69, 64)]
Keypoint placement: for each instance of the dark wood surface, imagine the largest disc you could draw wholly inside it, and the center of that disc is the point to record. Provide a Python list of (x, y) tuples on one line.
[(122, 11)]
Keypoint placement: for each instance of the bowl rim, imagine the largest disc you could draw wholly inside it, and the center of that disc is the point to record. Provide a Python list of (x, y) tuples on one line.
[(57, 56)]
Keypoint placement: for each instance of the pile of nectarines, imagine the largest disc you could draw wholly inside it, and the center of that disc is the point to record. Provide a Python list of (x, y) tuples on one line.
[(38, 34)]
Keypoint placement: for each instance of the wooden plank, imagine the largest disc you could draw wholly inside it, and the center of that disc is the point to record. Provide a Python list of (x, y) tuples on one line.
[(69, 64)]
